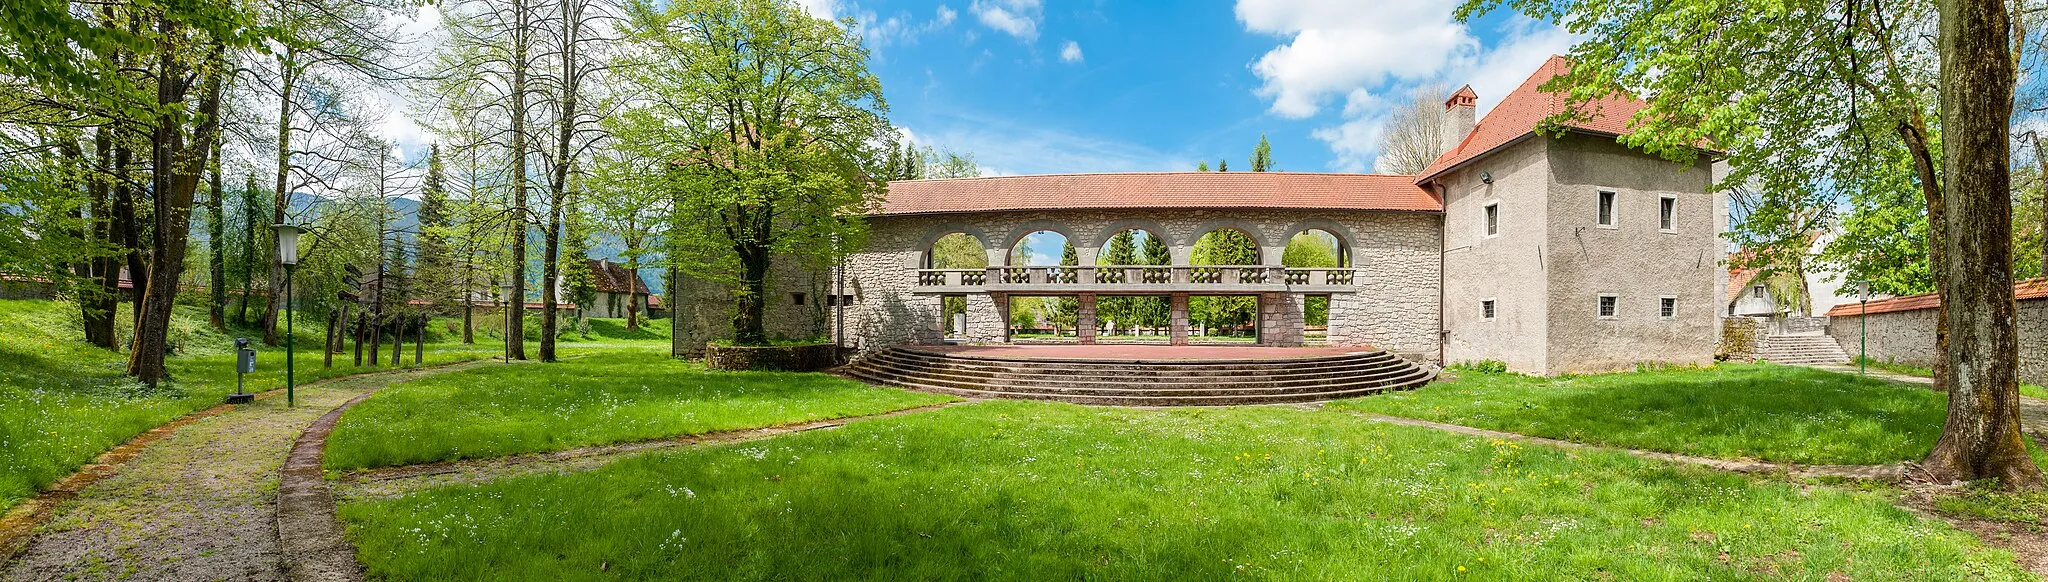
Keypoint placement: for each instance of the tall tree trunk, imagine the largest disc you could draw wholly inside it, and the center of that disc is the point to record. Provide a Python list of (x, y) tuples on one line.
[(550, 278), (515, 296), (216, 283), (98, 306), (288, 65), (633, 289), (128, 231), (176, 175), (1981, 438), (752, 301)]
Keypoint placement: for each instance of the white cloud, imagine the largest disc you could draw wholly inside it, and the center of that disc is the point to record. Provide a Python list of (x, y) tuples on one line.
[(1070, 52), (1338, 45), (1375, 56), (902, 28), (1004, 147), (820, 8), (1018, 18)]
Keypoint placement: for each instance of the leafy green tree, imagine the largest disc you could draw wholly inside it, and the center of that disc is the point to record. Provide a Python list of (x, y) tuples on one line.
[(1222, 165), (577, 280), (435, 279), (770, 120), (1066, 310), (1262, 156), (958, 251), (1903, 120), (1224, 247), (1153, 312), (1122, 250), (1202, 166)]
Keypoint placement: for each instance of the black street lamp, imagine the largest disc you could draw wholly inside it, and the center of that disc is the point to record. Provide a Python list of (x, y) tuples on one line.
[(1863, 321), (288, 254)]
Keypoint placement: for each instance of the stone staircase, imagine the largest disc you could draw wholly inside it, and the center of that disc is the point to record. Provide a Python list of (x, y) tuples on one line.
[(1801, 350), (1144, 382)]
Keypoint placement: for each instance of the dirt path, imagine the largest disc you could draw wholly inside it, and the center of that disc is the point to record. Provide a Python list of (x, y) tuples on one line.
[(392, 482), (199, 504)]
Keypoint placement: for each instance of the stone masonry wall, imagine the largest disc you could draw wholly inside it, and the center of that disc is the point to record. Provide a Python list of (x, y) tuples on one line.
[(1396, 255), (1907, 337)]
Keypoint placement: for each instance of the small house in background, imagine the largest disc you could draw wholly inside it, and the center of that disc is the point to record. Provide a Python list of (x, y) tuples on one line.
[(616, 286), (1747, 294)]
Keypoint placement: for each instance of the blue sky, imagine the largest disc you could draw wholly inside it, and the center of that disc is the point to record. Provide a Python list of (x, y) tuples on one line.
[(1056, 86)]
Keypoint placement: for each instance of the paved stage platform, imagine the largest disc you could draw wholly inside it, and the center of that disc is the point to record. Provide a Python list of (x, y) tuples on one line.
[(1138, 352)]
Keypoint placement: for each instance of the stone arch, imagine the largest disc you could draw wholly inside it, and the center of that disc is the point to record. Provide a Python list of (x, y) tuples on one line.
[(1025, 229), (1249, 228), (1346, 241), (931, 237), (1151, 228)]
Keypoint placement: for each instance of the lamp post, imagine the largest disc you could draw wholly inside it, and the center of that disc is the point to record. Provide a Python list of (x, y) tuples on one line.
[(1863, 322), (288, 254)]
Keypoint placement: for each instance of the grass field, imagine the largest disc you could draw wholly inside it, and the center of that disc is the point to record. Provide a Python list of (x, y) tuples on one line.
[(1022, 490), (598, 399), (63, 401), (1760, 411)]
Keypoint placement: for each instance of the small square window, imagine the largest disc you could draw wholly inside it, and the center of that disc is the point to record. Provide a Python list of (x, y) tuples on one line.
[(1667, 307), (1493, 219), (1606, 208), (1667, 214), (1607, 306), (1757, 292), (796, 299), (1486, 309)]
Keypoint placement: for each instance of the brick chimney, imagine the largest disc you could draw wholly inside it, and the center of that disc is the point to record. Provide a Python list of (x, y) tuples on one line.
[(1460, 112)]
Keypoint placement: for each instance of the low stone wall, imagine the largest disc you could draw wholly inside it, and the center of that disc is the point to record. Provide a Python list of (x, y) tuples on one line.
[(804, 358), (1907, 337), (26, 289), (1741, 337), (1798, 325)]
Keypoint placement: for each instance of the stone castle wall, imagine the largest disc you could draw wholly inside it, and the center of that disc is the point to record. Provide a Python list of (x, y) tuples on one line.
[(1907, 337)]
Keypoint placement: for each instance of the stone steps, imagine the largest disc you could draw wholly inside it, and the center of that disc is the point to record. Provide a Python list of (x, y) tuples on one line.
[(1144, 382), (1801, 350)]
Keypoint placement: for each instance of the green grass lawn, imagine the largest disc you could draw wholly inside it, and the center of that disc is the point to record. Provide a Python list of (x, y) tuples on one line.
[(63, 401), (2028, 390), (1024, 490), (1761, 411), (599, 399)]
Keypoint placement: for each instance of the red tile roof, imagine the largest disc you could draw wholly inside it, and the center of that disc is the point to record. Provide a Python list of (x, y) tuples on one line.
[(2028, 289), (1154, 190), (1738, 281), (1525, 108)]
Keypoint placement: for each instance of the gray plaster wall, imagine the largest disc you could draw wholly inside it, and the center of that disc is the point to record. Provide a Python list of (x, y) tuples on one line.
[(1506, 268), (1394, 252), (704, 309), (1635, 260), (1907, 337)]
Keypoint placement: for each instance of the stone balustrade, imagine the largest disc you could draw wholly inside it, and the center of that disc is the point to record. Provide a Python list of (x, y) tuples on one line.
[(1136, 279)]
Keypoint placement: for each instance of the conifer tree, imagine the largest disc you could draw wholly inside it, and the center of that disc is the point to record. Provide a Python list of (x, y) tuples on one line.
[(1262, 156)]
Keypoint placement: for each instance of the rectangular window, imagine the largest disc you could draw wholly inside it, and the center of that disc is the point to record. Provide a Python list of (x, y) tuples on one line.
[(1607, 306), (1667, 307), (1606, 208), (1486, 309), (796, 299), (1757, 292), (1667, 214), (1493, 219)]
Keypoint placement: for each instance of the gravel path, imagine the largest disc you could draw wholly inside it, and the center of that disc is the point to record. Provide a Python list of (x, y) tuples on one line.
[(200, 504)]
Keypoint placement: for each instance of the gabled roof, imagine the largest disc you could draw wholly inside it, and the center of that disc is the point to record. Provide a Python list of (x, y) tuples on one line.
[(610, 277), (2023, 290), (1160, 190), (1522, 110), (1738, 281)]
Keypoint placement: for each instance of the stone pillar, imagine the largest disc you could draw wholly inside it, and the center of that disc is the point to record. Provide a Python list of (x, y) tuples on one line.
[(1002, 320), (1281, 319), (1084, 319), (935, 328), (987, 318), (1084, 256), (1177, 318)]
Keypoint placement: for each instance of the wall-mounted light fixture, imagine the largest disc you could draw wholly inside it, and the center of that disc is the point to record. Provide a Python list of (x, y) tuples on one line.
[(1486, 177)]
